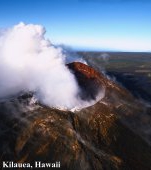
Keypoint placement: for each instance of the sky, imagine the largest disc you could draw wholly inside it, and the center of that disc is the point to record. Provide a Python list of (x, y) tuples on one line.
[(110, 25)]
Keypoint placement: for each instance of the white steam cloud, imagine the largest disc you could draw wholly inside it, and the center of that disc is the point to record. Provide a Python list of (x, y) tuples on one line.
[(29, 62)]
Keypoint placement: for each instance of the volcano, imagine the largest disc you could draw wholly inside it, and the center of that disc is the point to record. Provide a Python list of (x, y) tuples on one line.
[(107, 135)]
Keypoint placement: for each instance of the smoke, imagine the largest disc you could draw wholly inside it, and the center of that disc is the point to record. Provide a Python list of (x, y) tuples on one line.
[(71, 55), (105, 57), (29, 62)]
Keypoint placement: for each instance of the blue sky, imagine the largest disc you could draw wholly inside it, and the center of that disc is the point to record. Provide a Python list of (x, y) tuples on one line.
[(118, 25)]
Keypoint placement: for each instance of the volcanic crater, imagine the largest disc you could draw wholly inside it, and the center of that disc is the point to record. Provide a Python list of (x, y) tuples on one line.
[(104, 136)]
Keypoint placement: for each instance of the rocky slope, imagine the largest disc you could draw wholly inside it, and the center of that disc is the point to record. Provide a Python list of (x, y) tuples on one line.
[(104, 136)]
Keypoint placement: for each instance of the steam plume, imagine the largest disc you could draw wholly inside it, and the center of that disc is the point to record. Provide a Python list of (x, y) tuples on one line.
[(29, 62)]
